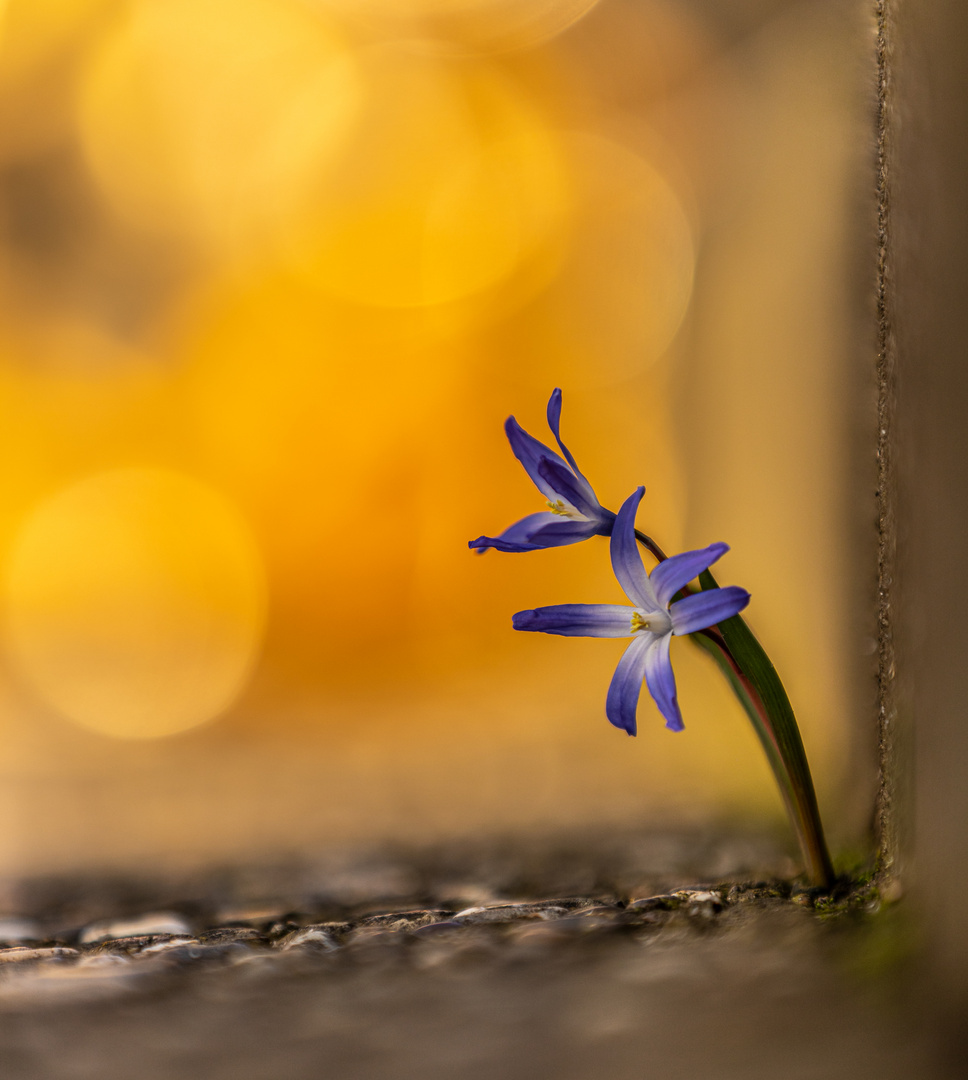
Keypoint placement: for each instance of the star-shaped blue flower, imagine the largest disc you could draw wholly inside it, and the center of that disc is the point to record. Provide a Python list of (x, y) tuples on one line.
[(574, 512), (651, 622)]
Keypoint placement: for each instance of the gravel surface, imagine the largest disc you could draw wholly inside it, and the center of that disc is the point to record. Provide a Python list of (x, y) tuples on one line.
[(427, 965)]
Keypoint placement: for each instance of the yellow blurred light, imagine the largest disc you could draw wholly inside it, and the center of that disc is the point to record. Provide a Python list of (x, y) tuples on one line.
[(32, 32), (626, 283), (40, 41), (321, 414), (207, 110), (63, 352), (135, 602), (282, 383), (485, 24), (451, 182)]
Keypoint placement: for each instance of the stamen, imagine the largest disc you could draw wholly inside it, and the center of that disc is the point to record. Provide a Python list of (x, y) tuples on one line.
[(566, 510), (656, 622)]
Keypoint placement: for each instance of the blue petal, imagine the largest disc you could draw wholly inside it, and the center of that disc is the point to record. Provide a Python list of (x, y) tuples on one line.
[(678, 570), (703, 609), (563, 531), (626, 685), (570, 487), (531, 453), (537, 531), (577, 620), (554, 421), (482, 543), (661, 681), (518, 537), (626, 560)]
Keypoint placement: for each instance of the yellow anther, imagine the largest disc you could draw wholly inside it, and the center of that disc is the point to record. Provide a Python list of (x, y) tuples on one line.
[(565, 510), (655, 622)]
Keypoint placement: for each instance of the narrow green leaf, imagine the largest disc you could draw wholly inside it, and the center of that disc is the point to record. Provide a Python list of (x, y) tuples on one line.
[(776, 727)]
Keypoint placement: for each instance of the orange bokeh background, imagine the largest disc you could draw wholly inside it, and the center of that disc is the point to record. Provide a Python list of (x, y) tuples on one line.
[(273, 274)]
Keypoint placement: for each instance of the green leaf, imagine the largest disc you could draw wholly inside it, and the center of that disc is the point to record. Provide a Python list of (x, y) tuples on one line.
[(762, 695)]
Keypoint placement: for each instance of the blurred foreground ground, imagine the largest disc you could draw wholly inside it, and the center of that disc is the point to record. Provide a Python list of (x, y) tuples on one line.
[(613, 957)]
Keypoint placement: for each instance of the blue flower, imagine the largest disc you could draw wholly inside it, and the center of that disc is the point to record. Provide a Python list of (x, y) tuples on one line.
[(574, 512), (651, 622)]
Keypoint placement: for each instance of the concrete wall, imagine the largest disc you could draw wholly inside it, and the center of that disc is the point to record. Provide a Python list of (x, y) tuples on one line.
[(927, 309)]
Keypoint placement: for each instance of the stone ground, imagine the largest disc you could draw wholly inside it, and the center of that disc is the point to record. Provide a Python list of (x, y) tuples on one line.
[(578, 958)]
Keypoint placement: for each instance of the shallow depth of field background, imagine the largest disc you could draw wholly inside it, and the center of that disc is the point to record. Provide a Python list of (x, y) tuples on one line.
[(272, 275)]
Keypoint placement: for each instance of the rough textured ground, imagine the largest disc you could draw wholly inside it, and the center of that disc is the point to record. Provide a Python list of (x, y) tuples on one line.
[(469, 962)]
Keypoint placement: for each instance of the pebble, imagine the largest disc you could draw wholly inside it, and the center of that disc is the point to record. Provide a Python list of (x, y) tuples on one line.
[(663, 902), (161, 945), (505, 913), (136, 944), (103, 960), (405, 920), (20, 954), (321, 937), (221, 935), (157, 922), (701, 902), (758, 892), (700, 896), (13, 928), (694, 902)]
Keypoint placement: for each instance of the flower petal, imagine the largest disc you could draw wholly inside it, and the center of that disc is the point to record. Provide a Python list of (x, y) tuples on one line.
[(562, 531), (577, 620), (678, 570), (531, 453), (517, 537), (554, 421), (570, 487), (537, 531), (626, 685), (662, 682), (626, 560), (703, 609)]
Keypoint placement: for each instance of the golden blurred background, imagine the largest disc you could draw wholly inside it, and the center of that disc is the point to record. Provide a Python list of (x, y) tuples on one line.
[(272, 275)]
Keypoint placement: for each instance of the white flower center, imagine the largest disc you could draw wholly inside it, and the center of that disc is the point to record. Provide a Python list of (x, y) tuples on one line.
[(655, 622)]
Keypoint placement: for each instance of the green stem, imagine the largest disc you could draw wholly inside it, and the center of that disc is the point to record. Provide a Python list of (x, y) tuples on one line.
[(650, 545), (756, 684)]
